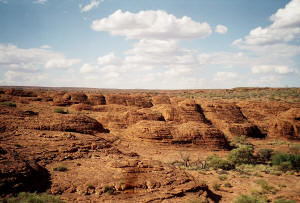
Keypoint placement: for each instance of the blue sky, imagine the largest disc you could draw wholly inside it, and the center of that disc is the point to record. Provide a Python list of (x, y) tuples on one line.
[(170, 44)]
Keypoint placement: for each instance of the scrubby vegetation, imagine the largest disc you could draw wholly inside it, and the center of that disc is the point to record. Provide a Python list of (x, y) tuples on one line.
[(286, 162), (60, 168), (9, 104), (217, 162), (61, 111), (25, 197), (250, 199), (241, 155)]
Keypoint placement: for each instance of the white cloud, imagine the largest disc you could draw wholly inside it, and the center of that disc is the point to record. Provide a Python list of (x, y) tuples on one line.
[(61, 62), (222, 76), (46, 46), (109, 59), (18, 78), (285, 27), (266, 81), (271, 68), (221, 29), (151, 24), (3, 1), (33, 59), (91, 5), (88, 68), (41, 1)]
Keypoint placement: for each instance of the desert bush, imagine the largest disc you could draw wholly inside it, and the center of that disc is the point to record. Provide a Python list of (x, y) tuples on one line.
[(60, 168), (241, 155), (286, 161), (281, 200), (294, 148), (60, 110), (216, 186), (227, 184), (266, 188), (240, 140), (250, 199), (110, 189), (25, 197), (265, 154), (217, 162), (9, 104), (223, 177), (18, 145)]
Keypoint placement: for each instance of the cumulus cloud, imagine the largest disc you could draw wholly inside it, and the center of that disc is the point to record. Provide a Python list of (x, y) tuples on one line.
[(46, 46), (33, 59), (271, 68), (221, 29), (61, 62), (109, 59), (225, 76), (41, 1), (88, 68), (149, 64), (90, 6), (18, 78), (151, 24), (285, 27)]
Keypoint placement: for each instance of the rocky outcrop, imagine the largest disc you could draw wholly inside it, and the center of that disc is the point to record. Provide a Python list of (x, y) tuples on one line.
[(123, 179), (129, 100), (69, 123), (287, 124), (20, 93), (195, 133), (185, 111), (96, 99), (229, 118), (161, 100), (199, 134), (18, 174)]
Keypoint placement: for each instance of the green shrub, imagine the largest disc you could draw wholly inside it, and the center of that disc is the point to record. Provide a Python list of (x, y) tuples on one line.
[(9, 104), (294, 148), (241, 155), (110, 189), (25, 197), (281, 200), (265, 154), (223, 177), (265, 187), (241, 140), (216, 186), (60, 168), (18, 146), (227, 184), (286, 161), (60, 110), (250, 199), (217, 162)]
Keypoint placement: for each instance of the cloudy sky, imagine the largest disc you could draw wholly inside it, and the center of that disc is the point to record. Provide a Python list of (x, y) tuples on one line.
[(153, 44)]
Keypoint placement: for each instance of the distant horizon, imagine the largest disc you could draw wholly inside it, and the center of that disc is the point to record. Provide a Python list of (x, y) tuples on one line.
[(140, 44), (61, 87)]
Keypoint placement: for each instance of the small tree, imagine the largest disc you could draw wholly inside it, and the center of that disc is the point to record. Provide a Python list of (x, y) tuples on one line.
[(241, 155)]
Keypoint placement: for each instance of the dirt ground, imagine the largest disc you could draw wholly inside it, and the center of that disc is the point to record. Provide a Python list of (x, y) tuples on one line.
[(88, 145)]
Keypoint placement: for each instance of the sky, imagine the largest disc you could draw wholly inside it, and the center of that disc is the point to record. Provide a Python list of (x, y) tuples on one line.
[(150, 44)]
